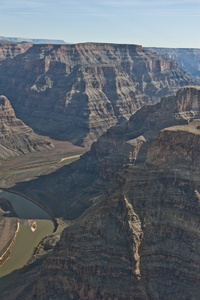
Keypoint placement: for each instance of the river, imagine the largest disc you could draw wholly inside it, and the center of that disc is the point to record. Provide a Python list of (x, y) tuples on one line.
[(29, 213)]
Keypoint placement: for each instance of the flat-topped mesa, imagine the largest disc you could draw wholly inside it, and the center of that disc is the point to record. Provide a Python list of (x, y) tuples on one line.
[(187, 100), (149, 214), (76, 92), (177, 145), (15, 137)]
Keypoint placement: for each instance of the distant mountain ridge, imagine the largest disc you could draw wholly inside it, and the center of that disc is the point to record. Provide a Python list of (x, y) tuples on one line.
[(30, 40), (188, 59)]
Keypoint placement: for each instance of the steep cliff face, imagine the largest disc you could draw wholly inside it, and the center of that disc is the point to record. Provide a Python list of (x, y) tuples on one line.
[(73, 188), (15, 137), (10, 50), (141, 242), (77, 92), (140, 239), (188, 59)]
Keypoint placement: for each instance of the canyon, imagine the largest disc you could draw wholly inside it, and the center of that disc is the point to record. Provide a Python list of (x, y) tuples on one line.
[(128, 210), (10, 50), (76, 92), (139, 237), (15, 137), (187, 58)]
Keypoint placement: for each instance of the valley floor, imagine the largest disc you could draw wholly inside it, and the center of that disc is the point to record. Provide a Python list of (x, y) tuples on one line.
[(28, 167)]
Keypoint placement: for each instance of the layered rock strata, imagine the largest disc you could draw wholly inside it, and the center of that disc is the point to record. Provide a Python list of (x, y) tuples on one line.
[(15, 137), (142, 241), (141, 238), (75, 187), (77, 92), (10, 50), (8, 226), (188, 59)]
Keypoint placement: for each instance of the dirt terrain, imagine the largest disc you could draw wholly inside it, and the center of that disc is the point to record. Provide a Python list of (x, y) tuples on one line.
[(25, 168), (8, 225)]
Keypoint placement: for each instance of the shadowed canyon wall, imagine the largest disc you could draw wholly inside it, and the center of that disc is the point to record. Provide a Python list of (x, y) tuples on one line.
[(140, 238), (77, 92), (15, 137)]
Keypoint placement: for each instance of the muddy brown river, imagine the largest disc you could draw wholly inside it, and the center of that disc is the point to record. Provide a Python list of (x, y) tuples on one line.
[(35, 224)]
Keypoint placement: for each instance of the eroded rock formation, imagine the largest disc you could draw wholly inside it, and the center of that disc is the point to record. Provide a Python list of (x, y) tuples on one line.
[(139, 239), (71, 190), (77, 92), (10, 50), (15, 137), (188, 59), (142, 240)]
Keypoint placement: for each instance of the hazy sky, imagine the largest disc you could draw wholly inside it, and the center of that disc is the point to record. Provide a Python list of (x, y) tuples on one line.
[(165, 23)]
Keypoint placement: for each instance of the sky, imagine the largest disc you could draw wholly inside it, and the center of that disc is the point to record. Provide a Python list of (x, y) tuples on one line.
[(153, 23)]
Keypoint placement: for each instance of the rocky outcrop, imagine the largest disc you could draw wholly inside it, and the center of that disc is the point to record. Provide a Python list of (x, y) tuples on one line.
[(77, 92), (75, 187), (140, 239), (15, 137), (188, 59), (141, 242), (10, 50)]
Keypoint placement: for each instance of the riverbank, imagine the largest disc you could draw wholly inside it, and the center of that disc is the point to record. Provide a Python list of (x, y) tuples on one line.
[(10, 190), (8, 227), (6, 255), (26, 240)]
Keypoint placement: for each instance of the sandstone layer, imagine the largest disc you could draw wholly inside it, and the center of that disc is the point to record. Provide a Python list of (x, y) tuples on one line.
[(77, 92), (15, 137), (139, 239), (188, 59), (10, 50), (72, 189)]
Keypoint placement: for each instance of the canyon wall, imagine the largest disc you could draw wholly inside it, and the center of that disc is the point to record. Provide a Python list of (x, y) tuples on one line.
[(72, 189), (10, 50), (188, 59), (77, 92), (15, 137), (140, 238)]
